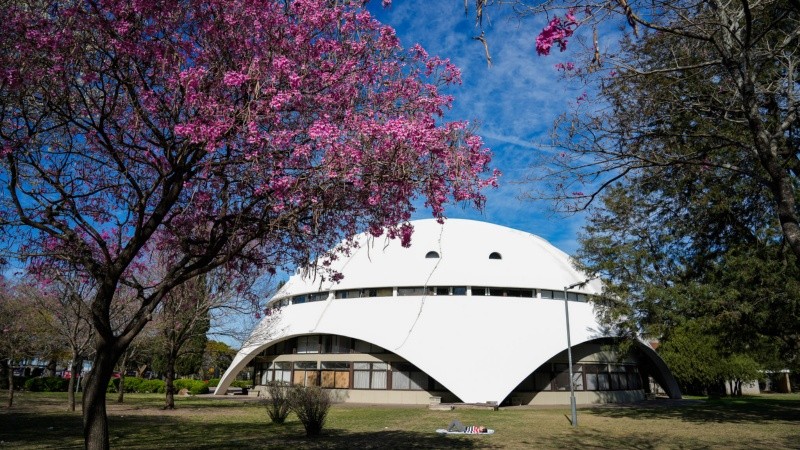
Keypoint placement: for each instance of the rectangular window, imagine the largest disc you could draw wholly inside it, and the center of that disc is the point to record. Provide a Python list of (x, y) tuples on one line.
[(305, 373), (365, 347), (308, 344), (335, 374), (546, 294), (383, 292), (542, 380), (591, 382), (318, 297), (619, 378), (561, 380), (352, 293), (442, 290), (558, 295), (634, 381), (297, 299), (416, 290), (369, 375), (496, 292), (459, 290), (479, 290), (407, 377), (337, 344)]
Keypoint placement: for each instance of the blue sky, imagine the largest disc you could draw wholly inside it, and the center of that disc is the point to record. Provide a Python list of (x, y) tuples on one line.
[(514, 102)]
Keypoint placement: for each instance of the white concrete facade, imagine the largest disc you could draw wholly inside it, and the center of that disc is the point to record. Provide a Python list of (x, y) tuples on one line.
[(479, 347)]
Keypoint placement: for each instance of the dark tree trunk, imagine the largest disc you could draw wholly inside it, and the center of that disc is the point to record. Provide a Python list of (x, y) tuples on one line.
[(121, 388), (75, 369), (170, 381), (50, 370), (10, 372), (95, 421)]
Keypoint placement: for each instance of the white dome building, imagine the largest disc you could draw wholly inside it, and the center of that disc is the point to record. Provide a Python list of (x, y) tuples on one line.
[(471, 312)]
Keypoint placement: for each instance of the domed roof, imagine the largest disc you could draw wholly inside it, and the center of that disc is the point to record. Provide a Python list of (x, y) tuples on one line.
[(457, 253)]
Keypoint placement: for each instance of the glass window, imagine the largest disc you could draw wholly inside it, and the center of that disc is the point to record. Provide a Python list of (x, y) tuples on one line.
[(383, 292), (297, 299), (305, 365), (407, 377), (497, 292), (495, 255), (317, 297), (417, 290), (442, 290), (561, 380), (459, 290), (542, 380), (558, 295), (308, 344), (400, 379), (479, 290), (337, 344), (634, 381), (432, 254), (546, 293), (369, 375), (335, 374)]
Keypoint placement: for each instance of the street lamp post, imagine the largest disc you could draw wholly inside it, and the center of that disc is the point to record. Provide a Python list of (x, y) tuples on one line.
[(573, 407)]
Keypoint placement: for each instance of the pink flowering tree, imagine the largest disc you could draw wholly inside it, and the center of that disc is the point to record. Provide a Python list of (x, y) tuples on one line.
[(245, 135)]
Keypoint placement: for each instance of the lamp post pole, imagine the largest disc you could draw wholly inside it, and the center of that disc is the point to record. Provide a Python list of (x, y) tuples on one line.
[(573, 407)]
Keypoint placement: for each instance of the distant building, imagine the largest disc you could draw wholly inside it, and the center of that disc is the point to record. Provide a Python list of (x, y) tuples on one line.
[(472, 312)]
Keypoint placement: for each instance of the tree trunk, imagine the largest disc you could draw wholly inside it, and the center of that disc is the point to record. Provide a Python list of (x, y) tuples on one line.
[(95, 421), (10, 383), (121, 388), (121, 385), (75, 368), (170, 381)]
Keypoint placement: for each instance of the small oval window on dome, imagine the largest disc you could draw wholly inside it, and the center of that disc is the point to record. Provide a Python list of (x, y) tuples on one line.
[(432, 254), (495, 255)]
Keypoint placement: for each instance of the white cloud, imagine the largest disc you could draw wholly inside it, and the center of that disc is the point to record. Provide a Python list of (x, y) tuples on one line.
[(514, 102)]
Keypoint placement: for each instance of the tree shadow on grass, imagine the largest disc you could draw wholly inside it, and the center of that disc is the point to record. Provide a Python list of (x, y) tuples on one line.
[(728, 410), (64, 431)]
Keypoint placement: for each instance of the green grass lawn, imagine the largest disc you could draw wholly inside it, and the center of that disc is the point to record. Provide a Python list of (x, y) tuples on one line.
[(40, 420)]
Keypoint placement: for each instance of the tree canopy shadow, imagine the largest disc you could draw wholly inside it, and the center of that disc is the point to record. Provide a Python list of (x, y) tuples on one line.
[(727, 410)]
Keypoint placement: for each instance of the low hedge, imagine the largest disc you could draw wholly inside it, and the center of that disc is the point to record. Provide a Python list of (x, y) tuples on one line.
[(195, 387), (138, 385), (47, 384)]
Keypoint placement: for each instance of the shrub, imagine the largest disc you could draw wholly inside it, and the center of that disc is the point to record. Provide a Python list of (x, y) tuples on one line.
[(311, 405), (242, 383), (213, 382), (47, 384), (277, 404), (194, 387)]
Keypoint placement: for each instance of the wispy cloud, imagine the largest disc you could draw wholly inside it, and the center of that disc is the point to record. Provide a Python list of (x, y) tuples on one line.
[(514, 102)]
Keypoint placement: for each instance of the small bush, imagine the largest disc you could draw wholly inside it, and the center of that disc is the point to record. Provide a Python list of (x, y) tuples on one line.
[(138, 386), (194, 387), (277, 404), (311, 405), (47, 384), (242, 383), (212, 383)]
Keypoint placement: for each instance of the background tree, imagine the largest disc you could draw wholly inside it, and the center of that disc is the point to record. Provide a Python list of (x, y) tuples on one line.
[(23, 331), (216, 359), (688, 135), (182, 324), (686, 78), (239, 134), (63, 297)]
